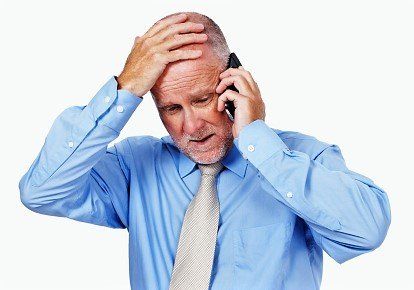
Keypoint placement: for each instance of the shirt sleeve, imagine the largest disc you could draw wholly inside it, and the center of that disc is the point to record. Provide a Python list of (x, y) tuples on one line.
[(75, 174), (346, 212)]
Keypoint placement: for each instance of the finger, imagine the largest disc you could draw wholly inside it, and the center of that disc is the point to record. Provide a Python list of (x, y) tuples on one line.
[(238, 81), (240, 71), (183, 39), (228, 95), (179, 28), (180, 54), (161, 24), (136, 39), (135, 42), (230, 71)]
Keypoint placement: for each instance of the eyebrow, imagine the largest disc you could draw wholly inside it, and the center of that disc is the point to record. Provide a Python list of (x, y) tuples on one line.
[(198, 97)]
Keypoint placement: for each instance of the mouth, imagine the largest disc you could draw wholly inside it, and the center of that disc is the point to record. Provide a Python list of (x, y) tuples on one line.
[(203, 141)]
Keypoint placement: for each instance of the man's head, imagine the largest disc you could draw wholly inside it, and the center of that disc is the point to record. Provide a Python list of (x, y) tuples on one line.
[(187, 102)]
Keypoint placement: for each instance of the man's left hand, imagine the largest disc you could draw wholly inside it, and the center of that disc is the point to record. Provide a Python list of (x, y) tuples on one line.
[(248, 101)]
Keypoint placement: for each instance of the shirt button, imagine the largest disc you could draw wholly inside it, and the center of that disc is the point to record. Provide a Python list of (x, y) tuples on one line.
[(70, 144), (119, 109), (289, 194), (244, 156), (250, 148), (107, 99)]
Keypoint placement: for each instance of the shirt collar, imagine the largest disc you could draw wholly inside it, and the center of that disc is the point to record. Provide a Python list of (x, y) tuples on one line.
[(233, 160)]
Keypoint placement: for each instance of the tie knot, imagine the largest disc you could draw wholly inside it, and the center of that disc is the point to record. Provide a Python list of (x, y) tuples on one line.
[(210, 169)]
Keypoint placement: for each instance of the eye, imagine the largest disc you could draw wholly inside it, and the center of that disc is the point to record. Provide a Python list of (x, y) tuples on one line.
[(204, 101), (171, 109)]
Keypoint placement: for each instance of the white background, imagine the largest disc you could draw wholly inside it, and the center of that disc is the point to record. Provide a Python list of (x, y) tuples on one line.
[(341, 71)]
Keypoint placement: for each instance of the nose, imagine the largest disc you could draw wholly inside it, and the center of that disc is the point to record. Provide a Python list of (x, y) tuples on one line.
[(193, 122)]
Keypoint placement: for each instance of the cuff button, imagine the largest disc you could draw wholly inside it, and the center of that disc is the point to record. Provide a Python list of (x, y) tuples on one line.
[(119, 109)]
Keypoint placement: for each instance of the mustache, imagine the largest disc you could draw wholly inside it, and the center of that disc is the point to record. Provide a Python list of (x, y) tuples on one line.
[(200, 135), (201, 138)]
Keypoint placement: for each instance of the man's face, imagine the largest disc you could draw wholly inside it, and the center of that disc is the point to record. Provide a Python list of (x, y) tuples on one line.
[(187, 104)]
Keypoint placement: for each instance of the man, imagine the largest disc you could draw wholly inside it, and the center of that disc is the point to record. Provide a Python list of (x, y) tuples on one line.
[(216, 204)]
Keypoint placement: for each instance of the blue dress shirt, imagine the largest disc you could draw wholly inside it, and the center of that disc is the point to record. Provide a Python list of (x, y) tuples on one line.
[(284, 197)]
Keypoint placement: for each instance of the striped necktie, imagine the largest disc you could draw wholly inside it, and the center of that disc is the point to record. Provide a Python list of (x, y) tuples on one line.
[(195, 251)]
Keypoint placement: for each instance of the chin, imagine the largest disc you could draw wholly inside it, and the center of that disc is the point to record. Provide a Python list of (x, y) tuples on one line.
[(211, 156), (206, 160)]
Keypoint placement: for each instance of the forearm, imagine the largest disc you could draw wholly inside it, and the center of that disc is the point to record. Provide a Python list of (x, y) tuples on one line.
[(62, 176), (345, 210)]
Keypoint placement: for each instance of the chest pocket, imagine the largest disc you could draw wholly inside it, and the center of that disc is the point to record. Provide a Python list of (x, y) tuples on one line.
[(259, 254)]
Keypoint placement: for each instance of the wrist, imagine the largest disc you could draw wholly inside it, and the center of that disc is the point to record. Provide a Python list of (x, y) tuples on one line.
[(125, 84)]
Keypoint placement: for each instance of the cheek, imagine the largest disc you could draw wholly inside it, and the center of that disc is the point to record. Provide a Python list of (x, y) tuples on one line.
[(216, 117), (221, 122), (173, 126)]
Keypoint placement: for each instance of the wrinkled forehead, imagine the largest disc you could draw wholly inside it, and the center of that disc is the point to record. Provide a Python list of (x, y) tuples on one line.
[(187, 78)]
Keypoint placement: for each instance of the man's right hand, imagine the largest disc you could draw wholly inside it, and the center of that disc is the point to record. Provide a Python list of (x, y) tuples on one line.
[(156, 48)]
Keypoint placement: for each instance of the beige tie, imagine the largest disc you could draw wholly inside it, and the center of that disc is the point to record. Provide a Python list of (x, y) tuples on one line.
[(195, 251)]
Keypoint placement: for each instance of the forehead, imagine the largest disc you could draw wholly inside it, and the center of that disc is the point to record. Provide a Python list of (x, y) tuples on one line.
[(187, 79)]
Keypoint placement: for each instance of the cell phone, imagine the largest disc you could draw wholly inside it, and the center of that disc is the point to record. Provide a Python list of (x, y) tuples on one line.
[(229, 106)]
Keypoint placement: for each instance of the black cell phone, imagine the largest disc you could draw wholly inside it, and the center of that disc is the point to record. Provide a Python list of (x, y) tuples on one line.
[(235, 63)]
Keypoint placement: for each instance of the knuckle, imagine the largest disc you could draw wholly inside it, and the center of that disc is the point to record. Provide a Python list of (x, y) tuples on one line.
[(238, 77), (184, 26), (184, 37), (190, 37), (196, 35), (146, 43), (152, 50), (181, 26), (170, 29), (157, 57)]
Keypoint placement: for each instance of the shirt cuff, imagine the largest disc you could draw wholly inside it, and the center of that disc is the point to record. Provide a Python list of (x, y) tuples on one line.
[(112, 107), (257, 142)]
